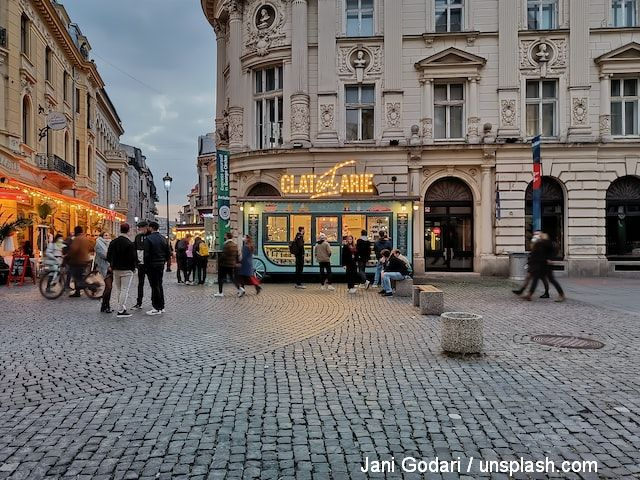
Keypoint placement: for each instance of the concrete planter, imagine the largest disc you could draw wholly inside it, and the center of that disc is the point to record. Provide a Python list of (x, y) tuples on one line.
[(461, 332)]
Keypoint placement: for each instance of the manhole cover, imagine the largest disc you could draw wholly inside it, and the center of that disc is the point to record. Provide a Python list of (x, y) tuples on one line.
[(567, 342)]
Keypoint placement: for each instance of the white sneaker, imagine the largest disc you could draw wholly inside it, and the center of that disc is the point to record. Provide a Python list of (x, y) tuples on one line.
[(375, 285), (123, 313), (241, 292), (300, 286), (323, 287), (330, 287), (353, 290), (218, 294), (367, 284), (155, 312)]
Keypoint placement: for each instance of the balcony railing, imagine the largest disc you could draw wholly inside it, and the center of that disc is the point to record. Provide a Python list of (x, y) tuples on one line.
[(205, 201), (54, 163), (3, 37)]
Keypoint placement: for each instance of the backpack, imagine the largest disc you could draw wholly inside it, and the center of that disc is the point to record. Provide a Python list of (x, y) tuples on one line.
[(203, 249), (293, 247)]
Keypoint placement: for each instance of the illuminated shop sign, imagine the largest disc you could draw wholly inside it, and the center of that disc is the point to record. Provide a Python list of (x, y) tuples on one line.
[(330, 184)]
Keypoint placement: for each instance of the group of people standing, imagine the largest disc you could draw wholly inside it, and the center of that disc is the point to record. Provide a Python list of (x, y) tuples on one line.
[(539, 268), (192, 258)]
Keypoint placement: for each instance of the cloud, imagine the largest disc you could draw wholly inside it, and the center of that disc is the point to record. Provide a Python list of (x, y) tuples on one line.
[(162, 104)]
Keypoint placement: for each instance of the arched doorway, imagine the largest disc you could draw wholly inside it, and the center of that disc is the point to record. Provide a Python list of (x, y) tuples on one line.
[(552, 214), (623, 219), (263, 190), (448, 226)]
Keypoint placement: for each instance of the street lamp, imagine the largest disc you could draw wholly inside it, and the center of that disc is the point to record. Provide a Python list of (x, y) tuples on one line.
[(167, 186), (112, 215), (135, 219)]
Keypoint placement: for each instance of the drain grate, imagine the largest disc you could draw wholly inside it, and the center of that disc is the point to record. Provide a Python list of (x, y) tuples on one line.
[(564, 341)]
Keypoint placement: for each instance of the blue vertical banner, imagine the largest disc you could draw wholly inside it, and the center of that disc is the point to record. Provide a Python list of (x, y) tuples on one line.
[(537, 185), (222, 187)]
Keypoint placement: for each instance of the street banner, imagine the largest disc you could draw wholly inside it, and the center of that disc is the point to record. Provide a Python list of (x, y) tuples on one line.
[(222, 187), (537, 185)]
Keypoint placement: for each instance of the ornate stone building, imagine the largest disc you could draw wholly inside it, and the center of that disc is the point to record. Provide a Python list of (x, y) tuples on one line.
[(59, 132), (438, 101)]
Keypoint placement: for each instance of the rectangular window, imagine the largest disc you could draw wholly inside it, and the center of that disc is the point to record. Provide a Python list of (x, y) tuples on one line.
[(542, 105), (359, 18), (77, 100), (89, 123), (269, 107), (542, 14), (25, 33), (449, 15), (65, 87), (624, 106), (48, 65), (360, 104), (448, 110), (623, 13)]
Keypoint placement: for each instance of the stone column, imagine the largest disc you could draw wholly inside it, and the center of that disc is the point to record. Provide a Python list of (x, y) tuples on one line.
[(426, 108), (392, 93), (327, 80), (300, 67), (508, 71), (236, 117), (222, 127), (486, 244), (579, 61), (418, 220), (473, 121), (3, 91), (605, 108)]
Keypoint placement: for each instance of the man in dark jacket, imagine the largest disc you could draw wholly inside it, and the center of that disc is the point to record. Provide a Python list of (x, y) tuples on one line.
[(77, 258), (122, 259), (382, 243), (363, 249), (143, 231), (298, 252), (156, 254), (394, 269)]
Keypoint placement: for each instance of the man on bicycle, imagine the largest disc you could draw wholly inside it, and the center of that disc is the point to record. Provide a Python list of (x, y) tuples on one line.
[(78, 258)]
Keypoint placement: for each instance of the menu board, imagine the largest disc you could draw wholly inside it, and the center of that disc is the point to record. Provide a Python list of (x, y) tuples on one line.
[(403, 232)]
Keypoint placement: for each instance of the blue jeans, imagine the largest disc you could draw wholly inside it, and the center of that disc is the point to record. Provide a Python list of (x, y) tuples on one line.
[(376, 280), (387, 277)]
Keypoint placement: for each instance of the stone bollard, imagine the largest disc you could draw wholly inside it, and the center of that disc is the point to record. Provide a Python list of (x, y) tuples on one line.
[(404, 288), (461, 332)]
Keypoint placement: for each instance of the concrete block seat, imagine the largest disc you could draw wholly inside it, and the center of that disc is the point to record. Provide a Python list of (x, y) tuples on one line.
[(429, 299), (404, 288)]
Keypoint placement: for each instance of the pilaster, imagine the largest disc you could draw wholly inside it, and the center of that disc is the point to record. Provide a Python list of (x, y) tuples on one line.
[(327, 80), (426, 110), (508, 70), (473, 121), (236, 125), (300, 67), (392, 94), (605, 108), (580, 127)]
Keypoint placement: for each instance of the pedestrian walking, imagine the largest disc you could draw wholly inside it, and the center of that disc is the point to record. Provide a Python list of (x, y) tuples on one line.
[(363, 247), (189, 269), (323, 257), (201, 259), (296, 247), (530, 268), (228, 262), (53, 256), (541, 254), (122, 258), (77, 259), (143, 231), (156, 254), (102, 264), (350, 263), (246, 273), (382, 243)]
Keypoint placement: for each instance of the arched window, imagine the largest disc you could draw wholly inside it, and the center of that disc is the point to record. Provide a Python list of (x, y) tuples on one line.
[(623, 218), (552, 213), (263, 190), (26, 120)]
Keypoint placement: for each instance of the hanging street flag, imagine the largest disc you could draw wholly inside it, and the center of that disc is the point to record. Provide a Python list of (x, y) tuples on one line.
[(498, 212), (537, 185), (222, 187)]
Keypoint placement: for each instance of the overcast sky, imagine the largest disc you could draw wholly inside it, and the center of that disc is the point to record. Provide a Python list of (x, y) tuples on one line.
[(169, 48)]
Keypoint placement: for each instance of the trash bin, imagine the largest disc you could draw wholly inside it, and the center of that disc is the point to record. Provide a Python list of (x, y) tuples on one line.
[(518, 265), (461, 332)]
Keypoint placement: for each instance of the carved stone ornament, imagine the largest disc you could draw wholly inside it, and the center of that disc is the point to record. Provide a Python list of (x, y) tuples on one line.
[(326, 116), (393, 114), (350, 59), (605, 124), (264, 25), (579, 110), (548, 54), (427, 127), (300, 118), (222, 129), (508, 112), (236, 130)]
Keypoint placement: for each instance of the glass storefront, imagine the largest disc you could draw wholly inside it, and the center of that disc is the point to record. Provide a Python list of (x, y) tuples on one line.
[(623, 219)]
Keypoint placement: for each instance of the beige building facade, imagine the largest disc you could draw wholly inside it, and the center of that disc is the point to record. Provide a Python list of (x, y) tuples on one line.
[(438, 101), (59, 132)]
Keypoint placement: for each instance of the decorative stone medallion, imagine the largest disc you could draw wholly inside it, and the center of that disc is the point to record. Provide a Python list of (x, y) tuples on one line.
[(326, 116), (265, 26), (393, 114), (508, 112), (579, 110)]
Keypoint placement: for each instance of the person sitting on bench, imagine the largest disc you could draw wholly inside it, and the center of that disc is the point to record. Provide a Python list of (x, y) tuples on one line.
[(394, 269)]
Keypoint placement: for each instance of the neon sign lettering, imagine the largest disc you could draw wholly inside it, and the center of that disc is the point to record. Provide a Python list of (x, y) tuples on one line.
[(329, 184)]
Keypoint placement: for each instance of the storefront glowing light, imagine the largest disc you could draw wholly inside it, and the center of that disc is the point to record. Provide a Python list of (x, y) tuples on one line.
[(329, 184)]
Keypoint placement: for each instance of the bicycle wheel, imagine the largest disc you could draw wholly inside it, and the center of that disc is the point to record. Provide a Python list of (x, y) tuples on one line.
[(259, 268), (95, 285), (51, 285)]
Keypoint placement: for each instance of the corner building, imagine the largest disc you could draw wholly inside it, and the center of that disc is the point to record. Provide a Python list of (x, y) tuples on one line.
[(438, 101)]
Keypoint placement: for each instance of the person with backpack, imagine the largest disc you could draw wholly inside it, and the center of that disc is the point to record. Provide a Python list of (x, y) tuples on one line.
[(246, 274), (78, 258), (350, 263), (143, 231), (363, 247), (382, 243), (201, 259), (296, 247), (228, 262), (181, 259), (323, 256)]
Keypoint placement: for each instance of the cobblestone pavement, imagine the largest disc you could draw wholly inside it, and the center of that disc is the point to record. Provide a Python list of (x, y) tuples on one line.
[(307, 383)]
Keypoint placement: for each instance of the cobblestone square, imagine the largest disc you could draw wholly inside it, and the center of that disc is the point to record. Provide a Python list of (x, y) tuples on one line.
[(310, 384)]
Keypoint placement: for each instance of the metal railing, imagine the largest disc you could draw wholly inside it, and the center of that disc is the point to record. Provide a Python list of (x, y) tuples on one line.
[(204, 201), (54, 163)]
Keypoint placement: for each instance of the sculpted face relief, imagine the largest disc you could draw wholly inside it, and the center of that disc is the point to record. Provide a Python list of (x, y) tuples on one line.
[(330, 183)]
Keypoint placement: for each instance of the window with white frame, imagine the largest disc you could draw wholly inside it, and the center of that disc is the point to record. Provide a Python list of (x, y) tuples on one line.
[(360, 105), (448, 110), (359, 18), (624, 106), (269, 107), (449, 15), (542, 107), (624, 13), (542, 14)]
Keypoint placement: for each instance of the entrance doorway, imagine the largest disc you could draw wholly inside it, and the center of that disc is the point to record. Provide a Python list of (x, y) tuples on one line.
[(448, 226), (623, 219), (552, 202)]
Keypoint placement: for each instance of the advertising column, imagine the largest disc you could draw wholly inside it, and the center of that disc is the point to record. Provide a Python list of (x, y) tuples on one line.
[(222, 183)]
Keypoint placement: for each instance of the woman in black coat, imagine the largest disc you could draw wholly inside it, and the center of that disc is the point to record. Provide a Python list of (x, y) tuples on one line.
[(350, 262)]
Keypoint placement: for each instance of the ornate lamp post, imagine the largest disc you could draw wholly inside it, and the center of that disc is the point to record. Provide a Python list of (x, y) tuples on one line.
[(167, 186)]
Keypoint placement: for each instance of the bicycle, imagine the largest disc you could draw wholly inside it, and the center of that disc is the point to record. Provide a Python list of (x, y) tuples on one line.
[(53, 281)]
